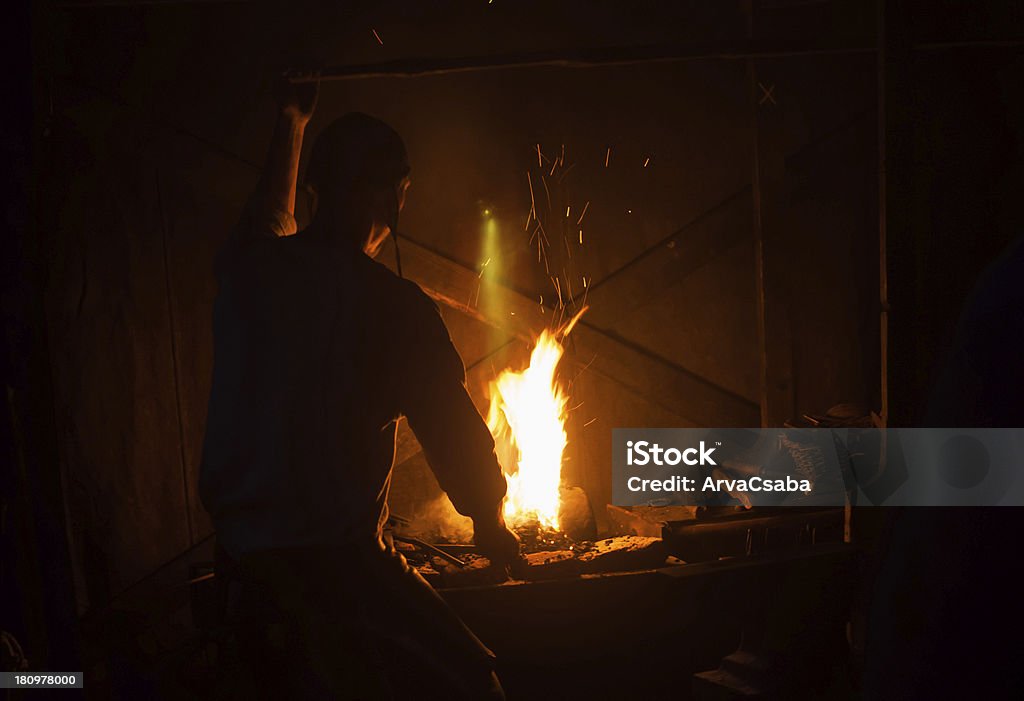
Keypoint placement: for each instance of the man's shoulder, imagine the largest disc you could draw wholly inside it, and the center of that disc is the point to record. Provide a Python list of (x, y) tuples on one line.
[(239, 255), (406, 295)]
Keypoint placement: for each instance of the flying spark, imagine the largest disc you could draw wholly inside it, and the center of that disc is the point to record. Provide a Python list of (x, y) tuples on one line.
[(377, 37), (583, 213), (533, 205)]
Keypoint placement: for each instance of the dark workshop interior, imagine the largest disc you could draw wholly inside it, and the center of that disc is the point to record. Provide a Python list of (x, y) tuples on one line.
[(725, 214)]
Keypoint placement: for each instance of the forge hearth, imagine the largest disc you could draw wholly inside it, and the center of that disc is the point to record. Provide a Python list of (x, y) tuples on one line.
[(448, 566)]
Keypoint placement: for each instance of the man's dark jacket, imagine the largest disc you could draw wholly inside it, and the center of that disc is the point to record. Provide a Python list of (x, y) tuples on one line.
[(318, 353)]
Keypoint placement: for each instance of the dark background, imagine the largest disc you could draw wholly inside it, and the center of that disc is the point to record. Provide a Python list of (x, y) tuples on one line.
[(149, 125)]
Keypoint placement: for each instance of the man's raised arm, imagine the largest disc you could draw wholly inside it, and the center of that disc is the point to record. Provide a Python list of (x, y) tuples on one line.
[(271, 209)]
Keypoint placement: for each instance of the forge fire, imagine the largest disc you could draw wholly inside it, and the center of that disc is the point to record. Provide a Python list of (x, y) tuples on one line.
[(527, 419)]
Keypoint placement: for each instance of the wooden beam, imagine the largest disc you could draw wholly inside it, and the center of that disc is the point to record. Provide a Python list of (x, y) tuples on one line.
[(881, 67), (584, 58), (775, 353)]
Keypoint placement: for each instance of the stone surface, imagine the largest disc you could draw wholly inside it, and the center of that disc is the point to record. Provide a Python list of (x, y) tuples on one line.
[(623, 553), (550, 564)]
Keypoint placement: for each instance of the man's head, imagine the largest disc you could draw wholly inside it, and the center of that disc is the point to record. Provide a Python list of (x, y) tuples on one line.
[(359, 173)]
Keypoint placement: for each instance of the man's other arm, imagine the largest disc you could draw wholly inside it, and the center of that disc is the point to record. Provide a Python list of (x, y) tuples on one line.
[(455, 440)]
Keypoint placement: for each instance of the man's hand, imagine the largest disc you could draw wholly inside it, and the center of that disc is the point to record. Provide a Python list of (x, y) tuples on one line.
[(297, 95), (495, 541)]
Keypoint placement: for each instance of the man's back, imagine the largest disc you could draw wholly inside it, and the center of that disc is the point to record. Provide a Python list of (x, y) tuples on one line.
[(318, 350)]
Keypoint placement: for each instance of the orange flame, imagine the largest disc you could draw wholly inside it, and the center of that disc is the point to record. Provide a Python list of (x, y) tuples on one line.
[(527, 419)]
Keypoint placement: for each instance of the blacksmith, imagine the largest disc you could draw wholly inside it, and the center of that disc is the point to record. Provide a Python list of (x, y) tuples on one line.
[(319, 351)]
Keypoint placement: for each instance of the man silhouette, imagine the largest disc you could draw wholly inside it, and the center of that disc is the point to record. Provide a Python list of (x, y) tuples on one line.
[(318, 353)]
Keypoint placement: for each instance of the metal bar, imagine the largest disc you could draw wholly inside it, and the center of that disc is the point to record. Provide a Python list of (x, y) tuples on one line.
[(581, 58), (699, 528), (430, 549)]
